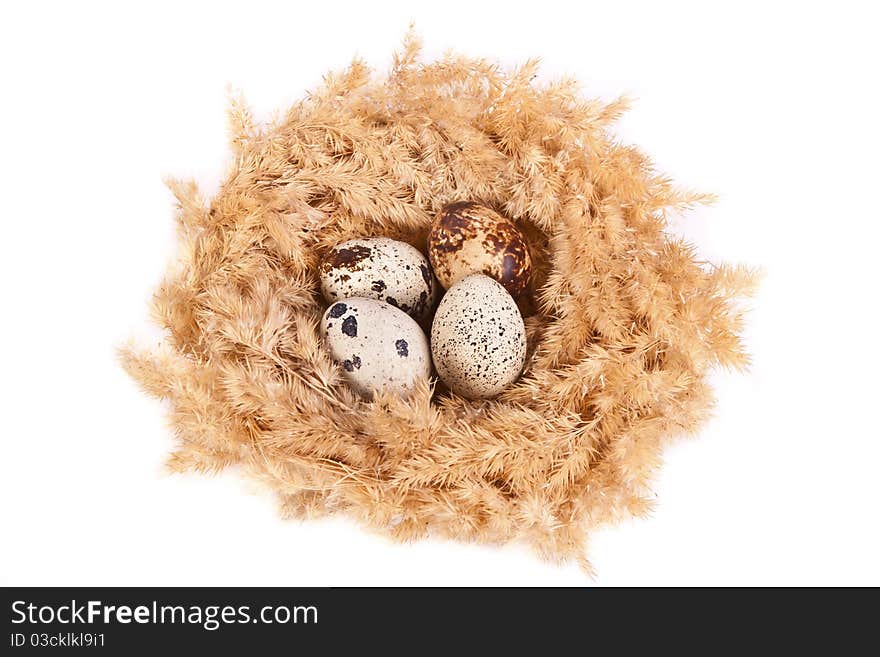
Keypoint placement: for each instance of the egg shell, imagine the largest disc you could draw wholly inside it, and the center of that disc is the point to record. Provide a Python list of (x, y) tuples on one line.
[(379, 346), (468, 238), (478, 338), (380, 268)]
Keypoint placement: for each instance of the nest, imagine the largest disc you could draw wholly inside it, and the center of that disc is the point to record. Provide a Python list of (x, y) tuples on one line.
[(623, 321)]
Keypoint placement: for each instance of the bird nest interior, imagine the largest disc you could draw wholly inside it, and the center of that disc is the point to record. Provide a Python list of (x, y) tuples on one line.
[(623, 321)]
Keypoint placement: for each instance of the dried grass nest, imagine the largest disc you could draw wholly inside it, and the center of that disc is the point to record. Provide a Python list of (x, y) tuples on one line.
[(623, 321)]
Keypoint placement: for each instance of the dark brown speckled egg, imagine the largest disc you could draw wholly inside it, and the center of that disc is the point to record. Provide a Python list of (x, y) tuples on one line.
[(471, 238)]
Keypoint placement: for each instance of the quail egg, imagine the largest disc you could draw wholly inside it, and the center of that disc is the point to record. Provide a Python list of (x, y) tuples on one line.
[(469, 238), (380, 268), (379, 347), (478, 338)]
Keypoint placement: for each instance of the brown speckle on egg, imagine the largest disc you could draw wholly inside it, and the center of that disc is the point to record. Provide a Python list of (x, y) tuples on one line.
[(351, 365), (350, 326), (347, 256), (469, 238), (338, 310)]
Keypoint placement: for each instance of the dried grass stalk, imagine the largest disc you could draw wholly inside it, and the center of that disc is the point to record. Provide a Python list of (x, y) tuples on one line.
[(624, 322)]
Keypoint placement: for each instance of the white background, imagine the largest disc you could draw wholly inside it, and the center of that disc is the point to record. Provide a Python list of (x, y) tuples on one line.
[(772, 105)]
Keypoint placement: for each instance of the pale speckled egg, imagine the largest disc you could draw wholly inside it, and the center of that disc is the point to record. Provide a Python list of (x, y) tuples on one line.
[(468, 238), (380, 268), (478, 338), (379, 346)]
